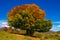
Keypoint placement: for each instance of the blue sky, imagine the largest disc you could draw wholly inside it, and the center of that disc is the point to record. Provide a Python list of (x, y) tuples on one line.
[(51, 7)]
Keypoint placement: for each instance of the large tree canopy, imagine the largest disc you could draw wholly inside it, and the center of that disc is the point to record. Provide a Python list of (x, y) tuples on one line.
[(29, 16)]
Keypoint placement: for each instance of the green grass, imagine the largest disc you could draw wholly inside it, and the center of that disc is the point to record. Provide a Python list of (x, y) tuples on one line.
[(38, 36), (51, 36), (8, 36)]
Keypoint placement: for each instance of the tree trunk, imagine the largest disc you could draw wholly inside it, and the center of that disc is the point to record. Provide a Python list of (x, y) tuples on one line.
[(29, 32)]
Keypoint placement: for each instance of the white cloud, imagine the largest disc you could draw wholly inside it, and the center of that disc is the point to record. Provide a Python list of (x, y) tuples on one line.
[(55, 28), (58, 26), (4, 23)]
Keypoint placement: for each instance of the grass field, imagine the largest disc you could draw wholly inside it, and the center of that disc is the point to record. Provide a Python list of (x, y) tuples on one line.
[(39, 36), (8, 36)]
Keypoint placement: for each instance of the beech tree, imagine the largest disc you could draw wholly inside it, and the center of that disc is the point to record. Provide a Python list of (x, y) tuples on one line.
[(29, 17)]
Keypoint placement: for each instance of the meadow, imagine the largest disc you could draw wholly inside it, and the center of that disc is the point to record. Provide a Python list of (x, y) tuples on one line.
[(37, 36)]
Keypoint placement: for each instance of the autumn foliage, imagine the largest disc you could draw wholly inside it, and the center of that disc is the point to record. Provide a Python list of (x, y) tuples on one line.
[(29, 17)]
